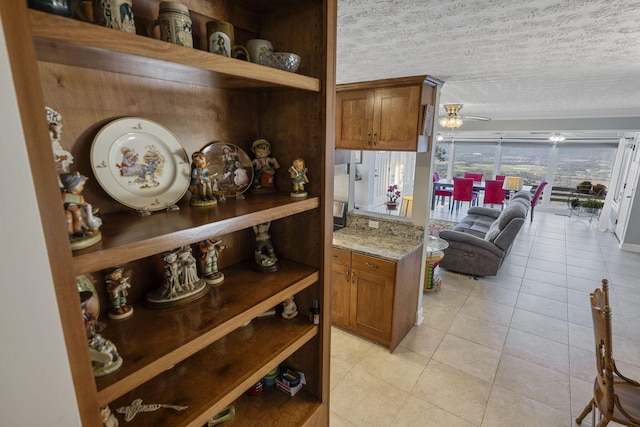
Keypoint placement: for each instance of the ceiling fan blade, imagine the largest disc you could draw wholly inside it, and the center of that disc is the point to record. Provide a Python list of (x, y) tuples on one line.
[(480, 118)]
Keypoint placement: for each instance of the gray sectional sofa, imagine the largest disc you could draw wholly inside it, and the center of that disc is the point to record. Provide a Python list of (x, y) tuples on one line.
[(482, 240)]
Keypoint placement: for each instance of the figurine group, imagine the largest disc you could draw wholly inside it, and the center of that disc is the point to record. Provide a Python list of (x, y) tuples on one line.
[(82, 224), (181, 282)]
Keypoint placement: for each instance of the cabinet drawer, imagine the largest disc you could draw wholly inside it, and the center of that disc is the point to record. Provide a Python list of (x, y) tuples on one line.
[(340, 256), (373, 265)]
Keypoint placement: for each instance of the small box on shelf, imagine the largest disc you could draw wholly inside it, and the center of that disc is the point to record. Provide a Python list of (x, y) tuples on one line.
[(290, 381)]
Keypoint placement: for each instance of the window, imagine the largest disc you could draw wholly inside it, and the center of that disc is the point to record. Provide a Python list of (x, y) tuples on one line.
[(528, 161), (474, 158)]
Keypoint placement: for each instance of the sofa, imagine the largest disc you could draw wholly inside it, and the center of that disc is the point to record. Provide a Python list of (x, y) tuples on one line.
[(480, 242)]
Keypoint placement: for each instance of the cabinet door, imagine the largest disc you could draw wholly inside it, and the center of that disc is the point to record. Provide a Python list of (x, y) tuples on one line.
[(396, 118), (340, 286), (371, 305), (354, 113)]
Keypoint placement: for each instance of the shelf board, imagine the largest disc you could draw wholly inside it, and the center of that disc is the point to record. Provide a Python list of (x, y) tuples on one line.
[(138, 237), (215, 377), (78, 43), (153, 340)]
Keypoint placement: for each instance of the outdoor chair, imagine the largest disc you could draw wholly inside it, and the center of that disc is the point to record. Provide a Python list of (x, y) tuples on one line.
[(615, 397)]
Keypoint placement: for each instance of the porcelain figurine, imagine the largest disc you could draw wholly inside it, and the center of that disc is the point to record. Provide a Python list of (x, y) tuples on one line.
[(209, 252), (107, 417), (103, 353), (265, 257), (117, 288), (299, 178), (181, 283), (264, 166), (290, 310), (62, 158), (82, 224), (201, 181)]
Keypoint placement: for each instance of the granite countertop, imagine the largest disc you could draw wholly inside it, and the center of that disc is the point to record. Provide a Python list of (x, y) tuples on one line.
[(388, 247)]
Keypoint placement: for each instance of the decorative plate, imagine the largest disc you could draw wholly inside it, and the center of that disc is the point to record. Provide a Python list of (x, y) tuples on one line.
[(230, 168), (140, 164)]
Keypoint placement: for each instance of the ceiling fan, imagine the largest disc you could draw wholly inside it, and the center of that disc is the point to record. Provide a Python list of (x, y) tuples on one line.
[(453, 120)]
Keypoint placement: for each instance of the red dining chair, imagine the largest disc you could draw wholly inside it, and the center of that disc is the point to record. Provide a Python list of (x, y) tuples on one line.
[(440, 191), (500, 177), (494, 194), (463, 192), (536, 196), (477, 177)]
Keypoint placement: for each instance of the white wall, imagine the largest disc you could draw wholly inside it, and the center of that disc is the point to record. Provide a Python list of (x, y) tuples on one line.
[(36, 383)]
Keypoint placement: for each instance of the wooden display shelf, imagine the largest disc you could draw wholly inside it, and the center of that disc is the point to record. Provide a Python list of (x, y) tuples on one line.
[(77, 43), (215, 377), (153, 340), (137, 237), (273, 408)]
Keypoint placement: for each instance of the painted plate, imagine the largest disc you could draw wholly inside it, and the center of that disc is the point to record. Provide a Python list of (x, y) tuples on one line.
[(140, 164), (230, 167)]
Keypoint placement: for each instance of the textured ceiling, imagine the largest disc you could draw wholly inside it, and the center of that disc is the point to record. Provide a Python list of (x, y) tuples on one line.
[(504, 59)]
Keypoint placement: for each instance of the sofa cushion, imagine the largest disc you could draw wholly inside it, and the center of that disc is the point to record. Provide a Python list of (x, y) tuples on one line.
[(513, 210)]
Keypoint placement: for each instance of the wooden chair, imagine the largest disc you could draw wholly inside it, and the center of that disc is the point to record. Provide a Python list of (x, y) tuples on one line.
[(463, 192), (494, 194), (616, 397)]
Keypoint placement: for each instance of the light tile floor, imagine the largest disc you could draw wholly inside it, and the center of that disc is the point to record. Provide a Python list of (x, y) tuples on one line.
[(511, 350)]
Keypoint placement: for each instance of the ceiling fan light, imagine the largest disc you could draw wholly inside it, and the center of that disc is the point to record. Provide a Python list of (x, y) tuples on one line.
[(557, 137), (450, 122)]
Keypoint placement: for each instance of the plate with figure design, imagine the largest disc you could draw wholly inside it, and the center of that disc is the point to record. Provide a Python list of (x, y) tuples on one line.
[(140, 163), (230, 168)]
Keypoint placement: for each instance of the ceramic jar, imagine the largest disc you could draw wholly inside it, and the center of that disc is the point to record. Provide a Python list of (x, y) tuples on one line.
[(174, 23)]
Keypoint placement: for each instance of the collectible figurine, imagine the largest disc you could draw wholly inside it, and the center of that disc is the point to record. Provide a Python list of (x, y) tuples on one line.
[(181, 283), (62, 158), (299, 178), (107, 417), (209, 252), (264, 166), (201, 184), (290, 309), (230, 160), (103, 353), (82, 224), (265, 258), (117, 285)]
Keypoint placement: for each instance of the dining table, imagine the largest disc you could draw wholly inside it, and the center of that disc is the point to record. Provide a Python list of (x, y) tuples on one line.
[(448, 183)]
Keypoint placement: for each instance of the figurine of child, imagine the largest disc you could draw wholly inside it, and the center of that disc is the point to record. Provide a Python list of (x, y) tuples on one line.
[(298, 173), (290, 310), (265, 257), (82, 225), (117, 285), (201, 185), (264, 166), (188, 272), (210, 251), (103, 353), (62, 158)]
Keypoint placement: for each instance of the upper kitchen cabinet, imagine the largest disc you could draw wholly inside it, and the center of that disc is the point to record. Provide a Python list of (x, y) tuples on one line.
[(390, 114)]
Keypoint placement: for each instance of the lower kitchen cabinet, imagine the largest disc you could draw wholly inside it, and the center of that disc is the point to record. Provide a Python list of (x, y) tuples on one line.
[(375, 298)]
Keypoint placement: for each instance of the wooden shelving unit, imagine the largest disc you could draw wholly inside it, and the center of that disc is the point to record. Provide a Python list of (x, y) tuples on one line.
[(207, 353)]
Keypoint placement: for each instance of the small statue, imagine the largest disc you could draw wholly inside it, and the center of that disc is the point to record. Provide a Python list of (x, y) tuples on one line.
[(264, 166), (265, 257), (62, 158), (181, 282), (103, 353), (117, 285), (299, 178), (290, 309), (107, 417), (201, 184), (82, 224), (209, 252)]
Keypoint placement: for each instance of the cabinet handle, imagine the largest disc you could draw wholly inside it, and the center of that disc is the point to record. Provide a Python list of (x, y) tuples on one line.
[(369, 139), (375, 138), (353, 277), (370, 265)]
